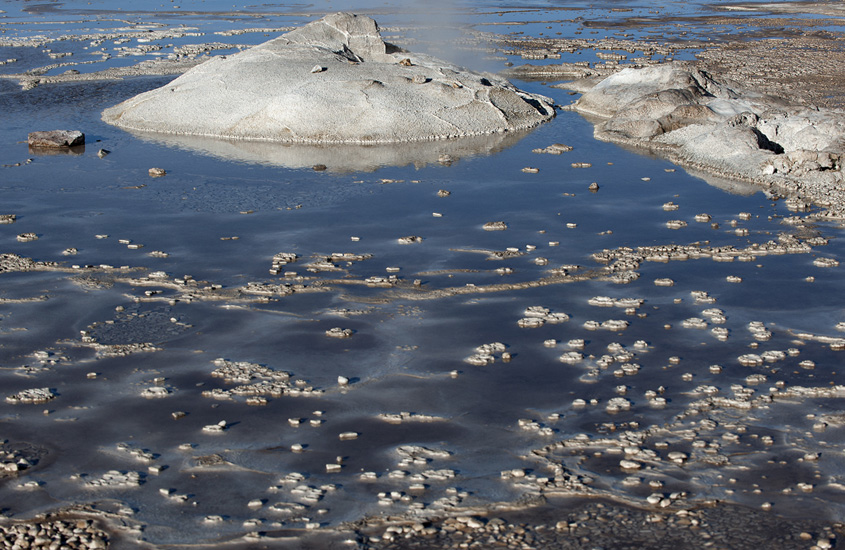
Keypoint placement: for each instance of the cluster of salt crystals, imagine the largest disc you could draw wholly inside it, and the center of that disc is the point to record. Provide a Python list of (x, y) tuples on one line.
[(410, 239), (485, 354), (156, 392), (256, 381), (612, 325), (414, 462), (280, 260), (607, 301), (142, 455), (495, 226), (537, 316), (759, 331), (539, 428), (301, 498), (404, 416), (32, 396), (694, 322), (825, 262), (338, 332), (116, 478)]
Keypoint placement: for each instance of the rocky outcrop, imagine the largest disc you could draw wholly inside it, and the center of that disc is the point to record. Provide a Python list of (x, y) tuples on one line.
[(332, 81), (687, 115)]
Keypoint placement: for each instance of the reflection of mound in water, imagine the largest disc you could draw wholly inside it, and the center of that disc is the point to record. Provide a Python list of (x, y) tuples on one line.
[(346, 157)]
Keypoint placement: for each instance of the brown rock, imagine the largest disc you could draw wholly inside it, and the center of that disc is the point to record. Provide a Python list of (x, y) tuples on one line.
[(56, 138)]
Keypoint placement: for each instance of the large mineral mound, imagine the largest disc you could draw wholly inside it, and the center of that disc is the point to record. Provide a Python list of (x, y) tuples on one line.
[(332, 81), (682, 112)]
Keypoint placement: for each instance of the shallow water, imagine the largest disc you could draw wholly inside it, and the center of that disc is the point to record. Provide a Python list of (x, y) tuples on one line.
[(221, 218)]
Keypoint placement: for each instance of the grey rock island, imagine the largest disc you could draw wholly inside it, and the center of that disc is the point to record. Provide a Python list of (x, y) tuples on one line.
[(332, 81)]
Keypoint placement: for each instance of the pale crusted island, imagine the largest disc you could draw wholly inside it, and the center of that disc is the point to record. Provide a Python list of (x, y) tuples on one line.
[(332, 81), (697, 121)]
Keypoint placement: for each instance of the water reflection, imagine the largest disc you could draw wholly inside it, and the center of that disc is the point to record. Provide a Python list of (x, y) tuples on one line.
[(341, 157)]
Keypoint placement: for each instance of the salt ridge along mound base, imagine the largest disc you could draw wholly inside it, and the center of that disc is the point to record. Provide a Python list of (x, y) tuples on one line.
[(332, 81)]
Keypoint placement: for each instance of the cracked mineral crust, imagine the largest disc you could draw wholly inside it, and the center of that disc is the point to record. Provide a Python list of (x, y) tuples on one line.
[(367, 91)]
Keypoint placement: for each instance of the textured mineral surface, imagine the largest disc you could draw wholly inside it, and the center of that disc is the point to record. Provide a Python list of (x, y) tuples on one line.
[(332, 81), (698, 121)]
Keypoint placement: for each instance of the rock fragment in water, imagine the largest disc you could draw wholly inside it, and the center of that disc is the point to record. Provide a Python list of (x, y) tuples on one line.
[(825, 262), (537, 316), (607, 301), (495, 226), (702, 297), (616, 404), (115, 478), (484, 354), (56, 139), (27, 237), (398, 418), (216, 428), (694, 322), (553, 149), (280, 260), (155, 392), (32, 396), (750, 360), (157, 172), (571, 357), (411, 239), (269, 93), (759, 331), (337, 332)]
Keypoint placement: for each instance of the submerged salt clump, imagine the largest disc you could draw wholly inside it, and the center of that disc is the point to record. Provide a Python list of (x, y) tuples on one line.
[(363, 92)]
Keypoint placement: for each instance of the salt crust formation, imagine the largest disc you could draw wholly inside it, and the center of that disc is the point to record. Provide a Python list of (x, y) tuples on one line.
[(687, 115), (332, 81)]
